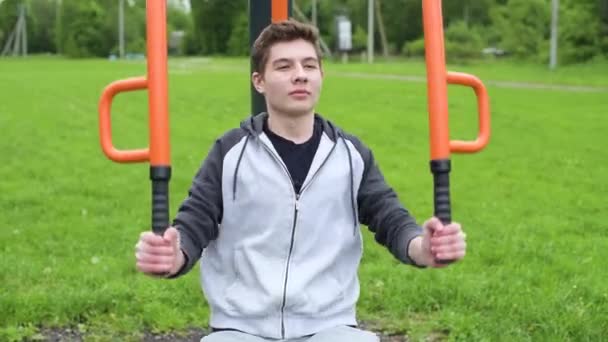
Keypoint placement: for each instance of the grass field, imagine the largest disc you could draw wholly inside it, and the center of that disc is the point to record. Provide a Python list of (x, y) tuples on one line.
[(533, 203)]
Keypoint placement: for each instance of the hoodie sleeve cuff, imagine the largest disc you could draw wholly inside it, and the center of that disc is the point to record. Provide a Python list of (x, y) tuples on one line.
[(406, 235), (185, 267), (189, 249)]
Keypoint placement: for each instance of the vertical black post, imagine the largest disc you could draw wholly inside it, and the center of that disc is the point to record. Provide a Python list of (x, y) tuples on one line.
[(260, 16)]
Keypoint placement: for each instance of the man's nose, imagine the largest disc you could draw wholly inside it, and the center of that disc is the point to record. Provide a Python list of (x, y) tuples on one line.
[(299, 74)]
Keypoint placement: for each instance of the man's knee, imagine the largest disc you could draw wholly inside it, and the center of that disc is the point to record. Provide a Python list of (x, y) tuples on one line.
[(344, 333), (230, 336)]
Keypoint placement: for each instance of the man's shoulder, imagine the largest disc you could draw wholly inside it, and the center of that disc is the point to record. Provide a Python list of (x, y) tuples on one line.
[(233, 134), (357, 142), (230, 139)]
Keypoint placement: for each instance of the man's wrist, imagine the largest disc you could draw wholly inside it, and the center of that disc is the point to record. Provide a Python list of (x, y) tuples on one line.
[(179, 265), (416, 252)]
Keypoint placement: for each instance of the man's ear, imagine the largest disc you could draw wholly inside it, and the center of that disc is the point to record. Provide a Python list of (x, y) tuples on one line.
[(258, 82)]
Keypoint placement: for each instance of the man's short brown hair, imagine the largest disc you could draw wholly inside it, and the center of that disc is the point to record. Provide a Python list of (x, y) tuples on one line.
[(285, 31)]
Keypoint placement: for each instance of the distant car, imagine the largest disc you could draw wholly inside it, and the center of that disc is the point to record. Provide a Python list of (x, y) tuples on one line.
[(494, 51)]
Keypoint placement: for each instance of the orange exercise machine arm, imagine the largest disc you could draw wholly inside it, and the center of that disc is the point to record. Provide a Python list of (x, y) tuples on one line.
[(437, 80), (158, 153)]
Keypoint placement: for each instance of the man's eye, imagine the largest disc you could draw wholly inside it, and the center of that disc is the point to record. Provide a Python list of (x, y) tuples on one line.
[(310, 66), (283, 67)]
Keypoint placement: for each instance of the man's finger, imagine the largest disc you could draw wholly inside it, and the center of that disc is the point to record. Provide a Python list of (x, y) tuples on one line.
[(155, 250), (433, 225), (153, 268), (449, 229), (451, 255), (455, 247), (437, 241), (152, 239), (154, 258)]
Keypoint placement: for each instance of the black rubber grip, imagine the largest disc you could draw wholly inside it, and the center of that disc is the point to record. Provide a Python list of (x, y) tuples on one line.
[(441, 184), (160, 176)]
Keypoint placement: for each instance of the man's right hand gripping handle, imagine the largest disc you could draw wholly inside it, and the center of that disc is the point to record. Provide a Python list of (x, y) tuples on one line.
[(159, 256)]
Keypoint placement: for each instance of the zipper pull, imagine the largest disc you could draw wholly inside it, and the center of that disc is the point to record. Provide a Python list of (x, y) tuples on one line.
[(297, 202)]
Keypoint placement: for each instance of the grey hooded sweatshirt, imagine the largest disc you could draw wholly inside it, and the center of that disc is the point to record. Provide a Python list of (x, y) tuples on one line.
[(280, 264)]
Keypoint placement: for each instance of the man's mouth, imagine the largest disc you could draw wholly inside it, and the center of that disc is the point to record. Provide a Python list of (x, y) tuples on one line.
[(299, 92)]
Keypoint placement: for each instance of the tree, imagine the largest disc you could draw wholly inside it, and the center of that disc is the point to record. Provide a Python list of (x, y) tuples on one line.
[(603, 12), (87, 28), (579, 37), (9, 11), (214, 21), (521, 27), (238, 44), (471, 12)]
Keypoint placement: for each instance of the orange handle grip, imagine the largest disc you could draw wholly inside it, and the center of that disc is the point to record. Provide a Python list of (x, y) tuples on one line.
[(483, 108), (105, 123)]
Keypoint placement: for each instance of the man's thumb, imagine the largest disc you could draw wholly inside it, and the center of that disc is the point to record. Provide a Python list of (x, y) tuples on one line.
[(171, 235), (433, 225)]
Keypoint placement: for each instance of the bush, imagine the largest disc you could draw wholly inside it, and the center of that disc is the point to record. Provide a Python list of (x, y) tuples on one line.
[(414, 48), (136, 45), (359, 39), (191, 44), (461, 43), (85, 33), (578, 39), (238, 43), (522, 26)]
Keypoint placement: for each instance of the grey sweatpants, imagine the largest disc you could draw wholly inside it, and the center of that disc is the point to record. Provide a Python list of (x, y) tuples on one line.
[(337, 334)]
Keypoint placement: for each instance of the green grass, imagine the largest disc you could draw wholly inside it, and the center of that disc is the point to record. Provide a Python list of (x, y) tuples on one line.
[(533, 203)]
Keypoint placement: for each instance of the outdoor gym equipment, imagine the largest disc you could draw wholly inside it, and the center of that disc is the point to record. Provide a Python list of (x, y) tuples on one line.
[(262, 12), (437, 80), (158, 153)]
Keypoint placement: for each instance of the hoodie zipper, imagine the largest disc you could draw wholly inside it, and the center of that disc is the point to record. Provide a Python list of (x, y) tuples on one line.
[(293, 227), (293, 232)]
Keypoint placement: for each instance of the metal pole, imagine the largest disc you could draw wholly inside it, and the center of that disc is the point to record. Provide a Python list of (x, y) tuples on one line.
[(17, 40), (314, 13), (554, 33), (9, 43), (121, 28), (58, 27), (370, 31), (261, 15), (24, 33)]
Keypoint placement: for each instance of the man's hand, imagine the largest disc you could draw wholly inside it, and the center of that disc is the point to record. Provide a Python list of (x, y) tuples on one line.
[(438, 242), (159, 256)]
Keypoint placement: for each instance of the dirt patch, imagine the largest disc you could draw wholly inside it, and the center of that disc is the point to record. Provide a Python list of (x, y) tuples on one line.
[(190, 335)]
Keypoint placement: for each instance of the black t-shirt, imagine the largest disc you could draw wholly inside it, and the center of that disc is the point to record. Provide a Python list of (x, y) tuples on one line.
[(297, 157)]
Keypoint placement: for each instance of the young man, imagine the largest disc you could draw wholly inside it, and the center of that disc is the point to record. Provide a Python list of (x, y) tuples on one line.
[(275, 211)]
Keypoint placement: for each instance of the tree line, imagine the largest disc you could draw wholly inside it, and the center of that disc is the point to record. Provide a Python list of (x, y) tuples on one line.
[(519, 28)]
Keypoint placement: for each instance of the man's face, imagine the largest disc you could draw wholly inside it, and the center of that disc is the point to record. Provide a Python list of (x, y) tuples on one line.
[(292, 78)]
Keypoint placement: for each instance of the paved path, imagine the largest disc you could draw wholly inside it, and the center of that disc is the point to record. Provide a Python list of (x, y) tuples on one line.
[(501, 84)]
